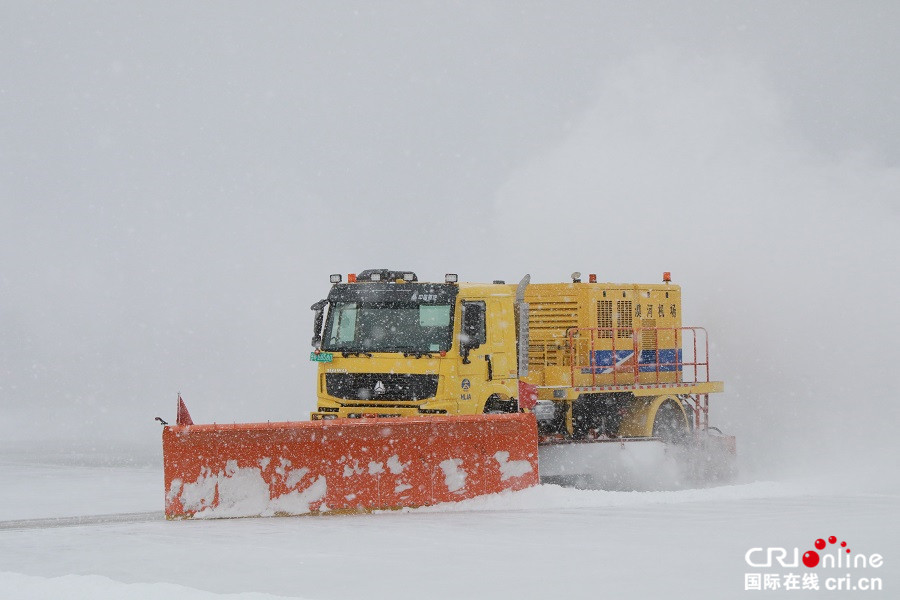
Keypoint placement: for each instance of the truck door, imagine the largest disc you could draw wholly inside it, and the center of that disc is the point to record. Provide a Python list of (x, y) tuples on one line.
[(473, 368)]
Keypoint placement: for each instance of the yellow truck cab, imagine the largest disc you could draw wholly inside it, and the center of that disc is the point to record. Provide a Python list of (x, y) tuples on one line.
[(390, 345)]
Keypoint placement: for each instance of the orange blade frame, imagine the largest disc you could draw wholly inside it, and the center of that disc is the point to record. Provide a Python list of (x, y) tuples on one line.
[(262, 469)]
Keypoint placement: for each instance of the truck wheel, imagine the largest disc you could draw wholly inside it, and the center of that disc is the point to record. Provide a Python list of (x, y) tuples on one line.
[(670, 425)]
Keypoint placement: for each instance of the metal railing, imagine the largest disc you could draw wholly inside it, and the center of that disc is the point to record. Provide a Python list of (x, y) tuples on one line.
[(635, 355)]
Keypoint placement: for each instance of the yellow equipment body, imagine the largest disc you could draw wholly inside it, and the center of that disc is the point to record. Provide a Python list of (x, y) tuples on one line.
[(604, 357)]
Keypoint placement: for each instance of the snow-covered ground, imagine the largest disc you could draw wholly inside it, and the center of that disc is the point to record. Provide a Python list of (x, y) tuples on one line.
[(544, 542), (35, 490)]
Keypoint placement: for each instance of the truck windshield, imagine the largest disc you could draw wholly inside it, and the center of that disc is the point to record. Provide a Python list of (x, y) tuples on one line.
[(355, 326)]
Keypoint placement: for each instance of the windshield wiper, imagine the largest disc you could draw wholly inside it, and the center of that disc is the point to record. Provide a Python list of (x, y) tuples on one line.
[(417, 354), (347, 354)]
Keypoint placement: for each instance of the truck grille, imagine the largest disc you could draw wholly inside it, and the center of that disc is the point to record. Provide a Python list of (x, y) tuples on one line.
[(393, 386)]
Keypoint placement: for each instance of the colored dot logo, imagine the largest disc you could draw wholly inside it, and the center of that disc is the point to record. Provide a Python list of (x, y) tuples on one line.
[(811, 558)]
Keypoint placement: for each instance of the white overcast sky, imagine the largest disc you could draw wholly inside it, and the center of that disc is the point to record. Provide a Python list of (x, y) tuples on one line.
[(177, 180)]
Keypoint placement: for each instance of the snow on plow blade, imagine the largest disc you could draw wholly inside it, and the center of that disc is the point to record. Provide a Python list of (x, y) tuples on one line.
[(264, 469)]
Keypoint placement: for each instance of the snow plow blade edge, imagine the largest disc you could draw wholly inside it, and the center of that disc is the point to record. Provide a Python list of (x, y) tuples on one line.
[(343, 465)]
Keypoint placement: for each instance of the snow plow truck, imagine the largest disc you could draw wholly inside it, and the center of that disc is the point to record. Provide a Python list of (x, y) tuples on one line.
[(432, 392)]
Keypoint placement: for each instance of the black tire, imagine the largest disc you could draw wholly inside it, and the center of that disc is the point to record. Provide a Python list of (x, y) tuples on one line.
[(670, 425)]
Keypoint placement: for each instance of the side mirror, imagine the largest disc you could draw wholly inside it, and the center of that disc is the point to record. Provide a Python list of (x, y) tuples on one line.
[(319, 307), (473, 332)]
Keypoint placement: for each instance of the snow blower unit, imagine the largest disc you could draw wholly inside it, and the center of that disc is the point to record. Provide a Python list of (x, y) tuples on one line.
[(436, 392)]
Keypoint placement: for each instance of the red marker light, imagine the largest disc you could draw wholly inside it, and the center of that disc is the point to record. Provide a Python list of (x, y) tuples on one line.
[(351, 278), (667, 277), (592, 278)]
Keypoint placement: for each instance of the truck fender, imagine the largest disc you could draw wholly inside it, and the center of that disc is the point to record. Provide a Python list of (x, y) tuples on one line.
[(638, 421), (498, 393)]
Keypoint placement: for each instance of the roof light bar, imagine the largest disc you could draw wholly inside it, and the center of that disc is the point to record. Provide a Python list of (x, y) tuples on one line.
[(451, 278), (375, 277), (667, 277), (336, 278)]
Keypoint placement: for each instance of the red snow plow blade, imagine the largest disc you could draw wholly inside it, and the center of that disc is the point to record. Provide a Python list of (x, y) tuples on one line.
[(344, 465)]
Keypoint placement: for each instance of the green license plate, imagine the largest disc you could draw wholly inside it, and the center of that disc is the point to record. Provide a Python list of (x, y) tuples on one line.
[(321, 357)]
